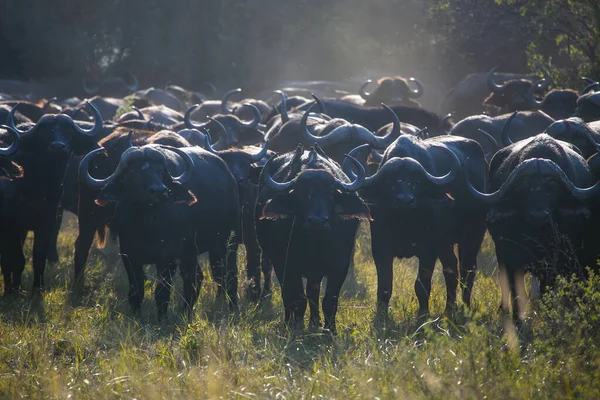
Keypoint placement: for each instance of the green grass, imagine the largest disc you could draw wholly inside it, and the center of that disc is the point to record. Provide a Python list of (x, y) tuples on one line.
[(97, 349)]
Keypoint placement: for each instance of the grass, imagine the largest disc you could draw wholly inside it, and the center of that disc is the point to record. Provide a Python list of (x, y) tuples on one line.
[(97, 349)]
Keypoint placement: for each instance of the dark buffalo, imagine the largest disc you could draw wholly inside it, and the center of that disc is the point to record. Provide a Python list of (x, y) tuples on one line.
[(390, 90), (81, 199), (31, 203), (171, 204), (373, 118), (245, 165), (536, 212), (237, 132), (576, 132), (307, 215), (516, 94), (488, 130), (421, 207), (467, 97), (346, 136), (158, 114), (588, 107)]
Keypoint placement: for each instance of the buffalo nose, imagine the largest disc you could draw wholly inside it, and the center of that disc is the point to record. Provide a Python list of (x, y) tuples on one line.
[(58, 145), (406, 198), (319, 221)]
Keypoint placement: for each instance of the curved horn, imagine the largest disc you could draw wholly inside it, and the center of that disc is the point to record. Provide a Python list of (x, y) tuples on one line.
[(319, 102), (418, 92), (362, 92), (532, 163), (139, 113), (493, 86), (334, 136), (89, 91), (10, 121), (444, 121), (506, 141), (14, 145), (262, 153), (187, 159), (129, 141), (359, 179), (490, 138), (97, 122), (187, 118), (224, 108), (50, 101), (257, 117), (543, 84), (134, 83), (207, 142), (283, 106), (84, 173), (591, 87), (346, 167), (268, 180), (385, 141), (531, 93), (436, 180), (587, 80)]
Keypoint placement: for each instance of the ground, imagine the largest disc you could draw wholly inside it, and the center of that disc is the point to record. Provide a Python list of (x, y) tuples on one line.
[(95, 347)]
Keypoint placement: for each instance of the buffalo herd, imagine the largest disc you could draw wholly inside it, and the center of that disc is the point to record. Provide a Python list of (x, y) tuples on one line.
[(172, 174)]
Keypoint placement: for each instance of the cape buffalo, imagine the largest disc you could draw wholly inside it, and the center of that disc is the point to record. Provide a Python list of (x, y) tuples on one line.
[(421, 207), (171, 204), (536, 212), (31, 203), (307, 215)]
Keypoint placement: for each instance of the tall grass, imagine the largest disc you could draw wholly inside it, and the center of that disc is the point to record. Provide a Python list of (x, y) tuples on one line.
[(95, 348)]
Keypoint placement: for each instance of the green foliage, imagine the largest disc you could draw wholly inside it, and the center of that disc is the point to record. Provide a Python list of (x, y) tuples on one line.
[(94, 348)]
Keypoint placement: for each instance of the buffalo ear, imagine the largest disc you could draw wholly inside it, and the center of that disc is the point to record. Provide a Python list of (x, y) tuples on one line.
[(179, 194), (254, 174), (350, 206), (279, 207), (110, 193)]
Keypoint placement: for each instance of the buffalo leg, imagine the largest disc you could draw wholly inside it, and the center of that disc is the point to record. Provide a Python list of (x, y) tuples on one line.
[(231, 275), (83, 243), (192, 277), (13, 262), (423, 282), (313, 290), (294, 300), (384, 260), (467, 254), (450, 269), (41, 240), (137, 278), (267, 270), (224, 267), (52, 255), (253, 273), (162, 292), (331, 298)]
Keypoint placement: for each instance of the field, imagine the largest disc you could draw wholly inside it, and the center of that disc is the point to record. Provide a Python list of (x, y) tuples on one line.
[(93, 347)]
